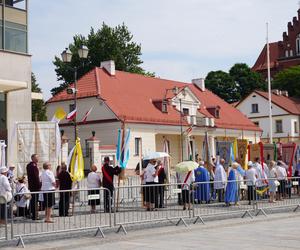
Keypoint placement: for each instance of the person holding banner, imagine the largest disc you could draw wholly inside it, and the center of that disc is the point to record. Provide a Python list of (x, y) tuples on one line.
[(108, 173)]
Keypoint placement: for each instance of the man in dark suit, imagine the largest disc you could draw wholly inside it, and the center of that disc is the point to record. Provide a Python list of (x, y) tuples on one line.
[(108, 173), (65, 183), (34, 185)]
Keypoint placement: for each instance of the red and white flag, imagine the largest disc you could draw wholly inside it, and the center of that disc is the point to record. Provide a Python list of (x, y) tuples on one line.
[(86, 115), (72, 115)]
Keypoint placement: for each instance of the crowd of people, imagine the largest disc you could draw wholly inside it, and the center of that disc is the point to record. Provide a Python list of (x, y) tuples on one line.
[(207, 183), (217, 182), (36, 191)]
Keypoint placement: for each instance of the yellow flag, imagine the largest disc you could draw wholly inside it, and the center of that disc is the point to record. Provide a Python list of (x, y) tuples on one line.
[(59, 114), (235, 151), (77, 163)]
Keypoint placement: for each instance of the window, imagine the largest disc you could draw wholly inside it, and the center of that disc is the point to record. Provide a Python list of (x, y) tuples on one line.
[(137, 145), (286, 53), (217, 113), (279, 126), (298, 44), (164, 107), (185, 111), (71, 107), (15, 37), (256, 123), (291, 53), (2, 111), (295, 127), (254, 108)]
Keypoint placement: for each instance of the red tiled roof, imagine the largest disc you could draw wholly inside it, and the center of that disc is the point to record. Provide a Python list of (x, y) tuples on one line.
[(130, 97), (261, 62), (289, 104)]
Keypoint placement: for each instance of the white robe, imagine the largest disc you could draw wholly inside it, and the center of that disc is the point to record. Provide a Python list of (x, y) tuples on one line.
[(220, 177)]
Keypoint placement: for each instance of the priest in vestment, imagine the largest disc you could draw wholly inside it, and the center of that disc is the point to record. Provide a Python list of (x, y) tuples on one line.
[(202, 189)]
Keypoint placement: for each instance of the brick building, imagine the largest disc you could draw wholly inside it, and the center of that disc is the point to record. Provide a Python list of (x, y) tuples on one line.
[(284, 53)]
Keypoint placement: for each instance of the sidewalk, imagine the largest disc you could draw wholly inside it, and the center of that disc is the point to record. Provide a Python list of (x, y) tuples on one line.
[(278, 231)]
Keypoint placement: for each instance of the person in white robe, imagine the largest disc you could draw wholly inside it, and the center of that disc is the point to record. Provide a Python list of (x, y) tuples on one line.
[(220, 180)]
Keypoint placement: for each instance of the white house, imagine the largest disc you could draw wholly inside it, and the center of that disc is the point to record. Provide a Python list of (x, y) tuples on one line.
[(150, 107), (285, 114)]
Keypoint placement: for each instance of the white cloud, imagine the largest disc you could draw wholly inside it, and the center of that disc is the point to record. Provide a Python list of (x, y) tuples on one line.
[(180, 39)]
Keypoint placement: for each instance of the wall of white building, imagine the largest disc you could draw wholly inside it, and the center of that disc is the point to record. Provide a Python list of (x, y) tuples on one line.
[(262, 117), (16, 67)]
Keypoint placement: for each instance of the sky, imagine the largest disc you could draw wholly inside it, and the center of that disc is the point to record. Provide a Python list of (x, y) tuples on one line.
[(181, 39)]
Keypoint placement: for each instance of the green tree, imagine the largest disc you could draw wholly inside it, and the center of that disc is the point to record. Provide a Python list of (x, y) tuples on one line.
[(37, 106), (106, 43), (223, 85), (289, 80), (245, 79)]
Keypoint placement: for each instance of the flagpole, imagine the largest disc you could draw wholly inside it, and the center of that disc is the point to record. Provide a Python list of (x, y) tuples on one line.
[(269, 87)]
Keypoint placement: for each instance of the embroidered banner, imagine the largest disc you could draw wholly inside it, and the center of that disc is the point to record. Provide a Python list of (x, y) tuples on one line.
[(269, 151), (288, 153), (224, 150), (255, 151), (242, 147)]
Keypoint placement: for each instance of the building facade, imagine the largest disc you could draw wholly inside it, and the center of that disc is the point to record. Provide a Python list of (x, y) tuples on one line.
[(15, 70), (157, 111), (285, 114), (284, 53)]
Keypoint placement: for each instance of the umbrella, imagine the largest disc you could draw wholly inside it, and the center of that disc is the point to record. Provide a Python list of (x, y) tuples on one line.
[(186, 166), (156, 155)]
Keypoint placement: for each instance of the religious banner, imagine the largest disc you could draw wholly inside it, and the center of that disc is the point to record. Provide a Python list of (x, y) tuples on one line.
[(269, 152), (224, 149), (255, 151), (288, 151), (242, 147), (42, 138)]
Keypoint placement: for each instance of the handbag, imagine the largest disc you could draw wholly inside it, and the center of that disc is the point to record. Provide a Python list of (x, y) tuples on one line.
[(277, 183), (7, 196)]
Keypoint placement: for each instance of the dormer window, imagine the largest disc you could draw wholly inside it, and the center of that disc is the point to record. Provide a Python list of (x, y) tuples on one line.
[(186, 111), (214, 111), (164, 107)]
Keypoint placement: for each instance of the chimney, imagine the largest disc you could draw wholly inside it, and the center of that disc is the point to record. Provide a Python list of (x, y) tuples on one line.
[(285, 93), (109, 66), (275, 91), (200, 83)]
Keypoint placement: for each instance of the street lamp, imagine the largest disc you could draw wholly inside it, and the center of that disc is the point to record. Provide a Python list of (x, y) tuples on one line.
[(181, 115), (66, 57)]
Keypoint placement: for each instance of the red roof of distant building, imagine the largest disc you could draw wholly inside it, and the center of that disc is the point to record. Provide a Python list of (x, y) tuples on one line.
[(261, 62), (289, 104), (130, 96)]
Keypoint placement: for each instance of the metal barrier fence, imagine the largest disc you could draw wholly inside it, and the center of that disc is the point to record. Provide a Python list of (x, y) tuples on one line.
[(128, 205), (274, 194), (161, 205), (92, 212), (230, 198), (3, 219)]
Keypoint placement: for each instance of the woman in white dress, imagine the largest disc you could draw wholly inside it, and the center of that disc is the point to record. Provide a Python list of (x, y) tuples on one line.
[(48, 184)]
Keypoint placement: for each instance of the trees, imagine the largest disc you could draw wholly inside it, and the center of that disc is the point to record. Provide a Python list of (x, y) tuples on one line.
[(288, 79), (246, 80), (237, 84), (106, 43), (223, 85), (37, 106)]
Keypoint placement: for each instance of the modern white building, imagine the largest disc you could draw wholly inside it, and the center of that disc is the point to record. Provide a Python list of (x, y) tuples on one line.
[(15, 70), (285, 114), (156, 110)]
